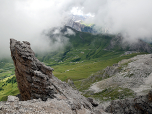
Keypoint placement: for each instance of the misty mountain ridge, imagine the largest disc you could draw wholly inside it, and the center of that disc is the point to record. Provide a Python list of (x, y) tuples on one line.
[(90, 45), (78, 23), (83, 55), (79, 46)]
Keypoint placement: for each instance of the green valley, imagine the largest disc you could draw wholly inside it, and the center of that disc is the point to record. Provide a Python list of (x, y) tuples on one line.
[(84, 55)]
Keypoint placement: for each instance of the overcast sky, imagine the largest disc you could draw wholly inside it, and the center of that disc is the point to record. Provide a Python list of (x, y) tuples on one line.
[(26, 19)]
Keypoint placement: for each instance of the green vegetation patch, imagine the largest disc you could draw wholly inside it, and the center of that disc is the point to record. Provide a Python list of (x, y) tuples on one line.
[(82, 22), (111, 93), (8, 86)]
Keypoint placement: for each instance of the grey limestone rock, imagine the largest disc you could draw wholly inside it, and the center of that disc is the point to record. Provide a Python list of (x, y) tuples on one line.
[(12, 98), (137, 105)]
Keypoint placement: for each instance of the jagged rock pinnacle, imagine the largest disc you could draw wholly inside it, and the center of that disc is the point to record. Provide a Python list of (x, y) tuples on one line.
[(32, 75), (35, 80)]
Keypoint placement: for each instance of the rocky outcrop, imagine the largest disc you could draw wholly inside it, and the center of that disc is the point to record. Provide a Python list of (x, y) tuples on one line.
[(138, 46), (32, 76), (134, 73), (35, 80), (37, 106), (138, 105), (80, 27), (108, 72)]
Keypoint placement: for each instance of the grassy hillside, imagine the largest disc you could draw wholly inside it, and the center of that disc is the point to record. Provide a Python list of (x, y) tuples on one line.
[(8, 86), (82, 46), (6, 68)]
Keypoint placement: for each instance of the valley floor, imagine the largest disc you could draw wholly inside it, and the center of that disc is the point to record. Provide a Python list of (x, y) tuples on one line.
[(78, 72)]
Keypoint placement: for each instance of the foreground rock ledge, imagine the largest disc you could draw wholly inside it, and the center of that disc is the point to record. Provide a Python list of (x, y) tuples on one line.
[(37, 106), (35, 80), (137, 105)]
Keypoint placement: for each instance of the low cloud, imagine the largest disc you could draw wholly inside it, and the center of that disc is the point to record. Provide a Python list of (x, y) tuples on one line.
[(69, 32), (25, 20), (132, 18)]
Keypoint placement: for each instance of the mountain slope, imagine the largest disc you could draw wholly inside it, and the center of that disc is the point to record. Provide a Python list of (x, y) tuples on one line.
[(139, 45), (86, 46), (82, 56), (80, 26), (127, 78)]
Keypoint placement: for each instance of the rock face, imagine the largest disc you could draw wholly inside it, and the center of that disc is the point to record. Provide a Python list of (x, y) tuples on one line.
[(80, 27), (134, 73), (37, 106), (32, 76), (138, 46), (35, 80), (138, 105)]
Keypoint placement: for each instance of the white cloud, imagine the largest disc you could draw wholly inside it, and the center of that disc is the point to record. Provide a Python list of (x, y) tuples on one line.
[(76, 11), (26, 19), (69, 32), (131, 17)]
